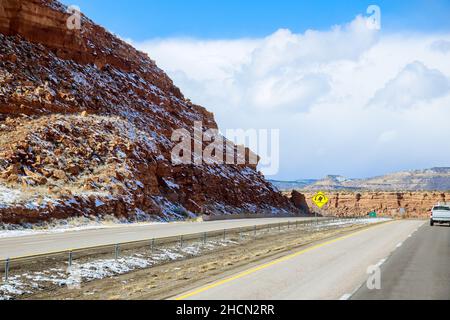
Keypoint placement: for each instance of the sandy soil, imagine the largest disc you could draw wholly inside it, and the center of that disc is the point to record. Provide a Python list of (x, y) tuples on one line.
[(168, 280)]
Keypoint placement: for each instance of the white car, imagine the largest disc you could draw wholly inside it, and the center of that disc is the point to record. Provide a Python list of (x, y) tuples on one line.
[(440, 214)]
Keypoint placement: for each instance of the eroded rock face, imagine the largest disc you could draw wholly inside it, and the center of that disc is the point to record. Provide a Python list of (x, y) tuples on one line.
[(390, 204), (45, 22), (299, 201), (86, 124)]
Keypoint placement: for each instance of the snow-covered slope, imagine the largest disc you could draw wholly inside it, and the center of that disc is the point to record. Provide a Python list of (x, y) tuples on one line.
[(86, 124)]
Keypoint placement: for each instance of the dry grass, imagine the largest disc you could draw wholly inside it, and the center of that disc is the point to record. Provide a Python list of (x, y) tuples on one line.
[(168, 280)]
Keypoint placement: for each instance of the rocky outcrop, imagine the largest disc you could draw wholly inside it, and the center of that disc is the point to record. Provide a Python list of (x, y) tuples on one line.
[(299, 201), (86, 123), (389, 204), (45, 22)]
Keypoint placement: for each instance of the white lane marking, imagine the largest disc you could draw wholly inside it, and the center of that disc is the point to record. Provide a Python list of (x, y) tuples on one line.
[(346, 297), (382, 261)]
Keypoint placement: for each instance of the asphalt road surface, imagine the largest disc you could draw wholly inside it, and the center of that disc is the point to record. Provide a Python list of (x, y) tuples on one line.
[(419, 269), (329, 270), (71, 240)]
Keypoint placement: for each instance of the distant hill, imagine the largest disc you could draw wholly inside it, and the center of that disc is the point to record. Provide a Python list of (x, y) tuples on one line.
[(434, 179), (291, 185)]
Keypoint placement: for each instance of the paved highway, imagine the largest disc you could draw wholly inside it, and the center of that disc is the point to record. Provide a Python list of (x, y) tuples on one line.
[(329, 270), (419, 269), (44, 243)]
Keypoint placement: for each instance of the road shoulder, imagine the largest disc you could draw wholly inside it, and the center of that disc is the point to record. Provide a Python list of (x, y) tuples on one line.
[(167, 280)]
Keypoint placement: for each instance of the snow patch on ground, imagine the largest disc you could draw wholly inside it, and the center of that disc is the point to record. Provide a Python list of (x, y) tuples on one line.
[(71, 225), (29, 232), (82, 272), (8, 197), (85, 271), (171, 184), (357, 221)]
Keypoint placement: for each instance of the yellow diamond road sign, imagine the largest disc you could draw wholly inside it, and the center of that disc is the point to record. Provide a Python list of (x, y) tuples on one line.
[(320, 199)]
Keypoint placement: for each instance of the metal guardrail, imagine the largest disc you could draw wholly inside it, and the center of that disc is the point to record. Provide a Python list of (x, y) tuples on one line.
[(151, 244)]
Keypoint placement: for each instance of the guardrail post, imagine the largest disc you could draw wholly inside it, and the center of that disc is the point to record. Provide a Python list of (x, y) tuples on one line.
[(254, 229), (116, 251), (152, 245), (240, 234), (224, 235), (70, 258), (205, 238), (6, 270), (181, 241)]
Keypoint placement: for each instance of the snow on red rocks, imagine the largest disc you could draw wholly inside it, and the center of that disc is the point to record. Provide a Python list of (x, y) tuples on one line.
[(85, 129)]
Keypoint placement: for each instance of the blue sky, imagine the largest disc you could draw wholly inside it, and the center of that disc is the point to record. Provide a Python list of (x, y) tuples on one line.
[(347, 99), (144, 19)]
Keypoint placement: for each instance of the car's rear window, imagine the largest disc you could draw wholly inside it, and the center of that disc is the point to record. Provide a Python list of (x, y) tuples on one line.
[(441, 208)]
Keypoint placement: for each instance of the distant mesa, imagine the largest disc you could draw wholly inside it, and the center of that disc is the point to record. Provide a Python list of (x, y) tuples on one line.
[(434, 179), (406, 194)]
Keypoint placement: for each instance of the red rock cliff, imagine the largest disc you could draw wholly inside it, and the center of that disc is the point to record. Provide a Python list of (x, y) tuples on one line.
[(86, 124), (389, 204)]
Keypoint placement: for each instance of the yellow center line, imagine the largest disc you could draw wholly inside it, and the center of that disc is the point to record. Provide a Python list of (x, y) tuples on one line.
[(270, 264)]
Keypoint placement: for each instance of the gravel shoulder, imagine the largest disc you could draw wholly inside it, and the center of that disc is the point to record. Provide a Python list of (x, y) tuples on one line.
[(167, 280)]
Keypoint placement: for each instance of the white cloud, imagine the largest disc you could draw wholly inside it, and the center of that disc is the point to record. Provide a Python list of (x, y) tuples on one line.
[(441, 46), (414, 84), (388, 137), (348, 101), (200, 59)]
